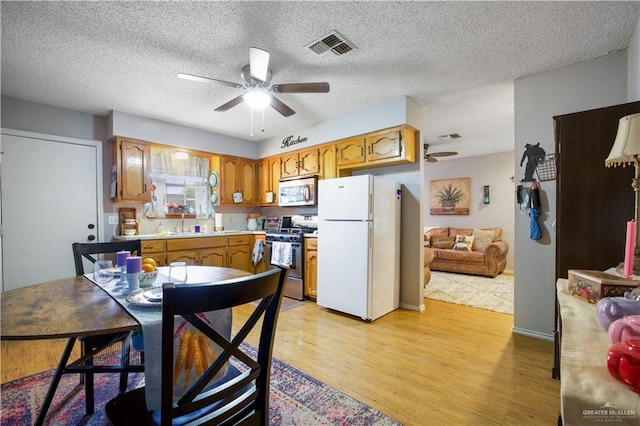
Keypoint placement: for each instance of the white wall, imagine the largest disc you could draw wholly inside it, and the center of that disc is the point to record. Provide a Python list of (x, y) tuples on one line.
[(587, 85), (392, 113), (33, 117), (148, 129), (494, 170)]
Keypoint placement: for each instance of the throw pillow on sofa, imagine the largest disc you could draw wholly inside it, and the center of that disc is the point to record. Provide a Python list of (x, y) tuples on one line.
[(442, 243), (482, 239), (463, 243)]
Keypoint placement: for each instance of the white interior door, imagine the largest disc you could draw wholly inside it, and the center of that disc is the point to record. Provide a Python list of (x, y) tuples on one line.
[(51, 198)]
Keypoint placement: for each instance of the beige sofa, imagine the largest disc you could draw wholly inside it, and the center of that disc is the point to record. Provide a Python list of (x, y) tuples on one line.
[(477, 252)]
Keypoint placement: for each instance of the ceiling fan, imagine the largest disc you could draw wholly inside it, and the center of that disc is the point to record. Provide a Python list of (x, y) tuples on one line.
[(256, 77), (431, 158)]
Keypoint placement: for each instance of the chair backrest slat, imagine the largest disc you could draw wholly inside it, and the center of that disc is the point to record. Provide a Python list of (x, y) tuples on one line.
[(88, 250), (244, 393)]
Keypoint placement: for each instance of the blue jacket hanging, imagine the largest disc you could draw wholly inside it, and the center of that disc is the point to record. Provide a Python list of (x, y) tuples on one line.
[(536, 234)]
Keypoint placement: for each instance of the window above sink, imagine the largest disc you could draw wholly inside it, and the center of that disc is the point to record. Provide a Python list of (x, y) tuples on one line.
[(180, 185)]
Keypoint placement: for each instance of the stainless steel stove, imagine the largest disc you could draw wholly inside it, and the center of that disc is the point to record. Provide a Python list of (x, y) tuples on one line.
[(291, 232)]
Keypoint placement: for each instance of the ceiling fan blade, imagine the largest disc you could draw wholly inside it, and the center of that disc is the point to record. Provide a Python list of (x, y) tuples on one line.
[(431, 159), (301, 88), (209, 80), (279, 106), (258, 63), (233, 102), (443, 154)]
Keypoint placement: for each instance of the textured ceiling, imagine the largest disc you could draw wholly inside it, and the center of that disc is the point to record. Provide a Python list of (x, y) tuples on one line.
[(457, 59)]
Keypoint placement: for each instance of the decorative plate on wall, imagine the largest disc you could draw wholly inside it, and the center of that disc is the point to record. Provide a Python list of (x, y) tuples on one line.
[(213, 180), (214, 199)]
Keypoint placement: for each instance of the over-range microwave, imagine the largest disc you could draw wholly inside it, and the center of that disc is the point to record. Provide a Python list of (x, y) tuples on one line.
[(298, 192)]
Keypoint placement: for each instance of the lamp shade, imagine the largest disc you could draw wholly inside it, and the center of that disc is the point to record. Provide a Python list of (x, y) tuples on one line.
[(626, 146)]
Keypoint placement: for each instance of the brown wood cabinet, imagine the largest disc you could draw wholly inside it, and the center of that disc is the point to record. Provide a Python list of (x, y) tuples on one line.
[(239, 252), (351, 151), (131, 158), (593, 202), (300, 163), (327, 161), (155, 249), (384, 145), (311, 268), (384, 148), (233, 251), (237, 175), (268, 176), (214, 256)]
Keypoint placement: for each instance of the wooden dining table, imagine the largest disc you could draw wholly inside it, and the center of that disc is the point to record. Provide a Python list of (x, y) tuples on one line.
[(77, 307)]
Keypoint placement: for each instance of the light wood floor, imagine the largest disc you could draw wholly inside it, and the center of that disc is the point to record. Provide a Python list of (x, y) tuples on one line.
[(448, 365)]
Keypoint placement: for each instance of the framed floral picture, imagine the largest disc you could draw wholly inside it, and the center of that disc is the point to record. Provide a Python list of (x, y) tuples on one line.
[(450, 196)]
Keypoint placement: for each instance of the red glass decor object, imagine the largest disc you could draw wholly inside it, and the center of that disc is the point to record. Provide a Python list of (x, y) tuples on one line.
[(623, 363)]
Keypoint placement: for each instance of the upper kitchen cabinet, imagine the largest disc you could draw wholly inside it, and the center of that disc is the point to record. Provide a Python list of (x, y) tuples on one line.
[(237, 180), (351, 151), (384, 148), (132, 170), (327, 161), (300, 163), (268, 175)]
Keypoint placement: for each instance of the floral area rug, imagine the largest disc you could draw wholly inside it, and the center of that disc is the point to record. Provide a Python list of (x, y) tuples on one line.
[(493, 294), (295, 399)]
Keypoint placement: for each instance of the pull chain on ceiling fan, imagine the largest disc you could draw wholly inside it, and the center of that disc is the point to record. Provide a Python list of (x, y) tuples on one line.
[(256, 77), (431, 158)]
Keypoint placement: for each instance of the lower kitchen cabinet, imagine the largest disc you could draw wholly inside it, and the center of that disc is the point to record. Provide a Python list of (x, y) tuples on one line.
[(213, 257), (154, 249), (239, 252), (233, 251), (190, 257), (311, 268)]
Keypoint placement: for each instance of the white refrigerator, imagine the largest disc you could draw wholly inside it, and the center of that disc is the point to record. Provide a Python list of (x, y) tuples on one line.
[(359, 245)]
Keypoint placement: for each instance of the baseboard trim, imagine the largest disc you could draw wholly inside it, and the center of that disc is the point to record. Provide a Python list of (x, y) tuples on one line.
[(412, 307), (531, 333)]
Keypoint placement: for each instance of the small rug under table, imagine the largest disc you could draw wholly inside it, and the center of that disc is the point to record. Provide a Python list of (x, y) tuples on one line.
[(493, 294)]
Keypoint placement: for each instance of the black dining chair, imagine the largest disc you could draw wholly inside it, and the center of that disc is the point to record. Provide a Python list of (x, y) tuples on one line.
[(242, 395), (91, 346)]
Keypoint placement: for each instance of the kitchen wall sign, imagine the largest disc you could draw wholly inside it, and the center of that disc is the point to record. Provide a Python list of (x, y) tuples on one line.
[(290, 141)]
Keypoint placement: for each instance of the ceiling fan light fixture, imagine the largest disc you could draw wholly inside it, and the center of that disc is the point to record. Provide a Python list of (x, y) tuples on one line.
[(257, 98)]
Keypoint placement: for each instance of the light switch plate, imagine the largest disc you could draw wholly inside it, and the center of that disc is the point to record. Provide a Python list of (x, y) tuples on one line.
[(113, 219)]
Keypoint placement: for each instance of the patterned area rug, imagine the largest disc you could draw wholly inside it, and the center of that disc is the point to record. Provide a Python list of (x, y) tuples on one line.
[(295, 399), (493, 294)]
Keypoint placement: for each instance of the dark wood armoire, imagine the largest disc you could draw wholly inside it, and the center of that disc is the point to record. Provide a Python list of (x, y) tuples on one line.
[(593, 202)]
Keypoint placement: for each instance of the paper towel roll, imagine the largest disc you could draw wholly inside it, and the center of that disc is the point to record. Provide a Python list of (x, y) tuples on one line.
[(218, 222)]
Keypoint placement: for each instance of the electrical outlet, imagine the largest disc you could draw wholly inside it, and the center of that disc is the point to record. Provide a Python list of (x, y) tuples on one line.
[(113, 219)]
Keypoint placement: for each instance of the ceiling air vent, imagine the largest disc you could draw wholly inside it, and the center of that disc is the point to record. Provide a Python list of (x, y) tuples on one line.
[(450, 136), (331, 45)]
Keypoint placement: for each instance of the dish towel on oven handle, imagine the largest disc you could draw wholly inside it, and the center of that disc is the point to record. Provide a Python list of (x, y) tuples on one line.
[(258, 250), (282, 254)]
